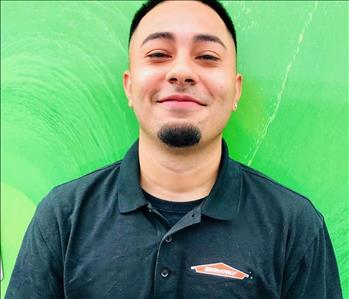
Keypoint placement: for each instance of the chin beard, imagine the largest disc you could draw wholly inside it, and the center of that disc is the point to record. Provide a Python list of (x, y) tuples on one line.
[(179, 136)]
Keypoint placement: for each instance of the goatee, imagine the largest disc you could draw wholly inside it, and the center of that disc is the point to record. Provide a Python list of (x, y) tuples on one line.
[(180, 136)]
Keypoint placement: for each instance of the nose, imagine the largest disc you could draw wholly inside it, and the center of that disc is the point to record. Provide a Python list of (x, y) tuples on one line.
[(181, 73)]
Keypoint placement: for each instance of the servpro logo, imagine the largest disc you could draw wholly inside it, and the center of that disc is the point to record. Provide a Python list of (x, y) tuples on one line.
[(220, 269)]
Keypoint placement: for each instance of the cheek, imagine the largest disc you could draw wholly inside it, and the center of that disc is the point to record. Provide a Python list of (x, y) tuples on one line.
[(220, 89), (146, 81)]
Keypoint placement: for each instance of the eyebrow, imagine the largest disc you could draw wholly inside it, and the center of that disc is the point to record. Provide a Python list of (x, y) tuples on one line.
[(196, 38), (159, 35), (208, 38)]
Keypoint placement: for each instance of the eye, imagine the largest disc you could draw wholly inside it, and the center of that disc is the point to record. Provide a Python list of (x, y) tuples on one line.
[(207, 57), (158, 55)]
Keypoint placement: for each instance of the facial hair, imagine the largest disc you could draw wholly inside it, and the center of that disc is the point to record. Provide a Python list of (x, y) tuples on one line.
[(183, 136)]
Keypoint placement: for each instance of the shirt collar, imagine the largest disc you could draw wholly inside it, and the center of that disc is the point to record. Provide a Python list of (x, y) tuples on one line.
[(130, 194), (222, 202)]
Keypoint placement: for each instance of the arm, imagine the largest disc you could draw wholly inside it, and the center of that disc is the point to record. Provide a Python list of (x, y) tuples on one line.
[(315, 275), (38, 272)]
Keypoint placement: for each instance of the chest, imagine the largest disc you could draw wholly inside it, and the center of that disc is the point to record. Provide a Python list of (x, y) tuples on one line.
[(137, 256)]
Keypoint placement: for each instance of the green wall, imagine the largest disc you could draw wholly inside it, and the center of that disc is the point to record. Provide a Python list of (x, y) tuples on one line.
[(64, 113)]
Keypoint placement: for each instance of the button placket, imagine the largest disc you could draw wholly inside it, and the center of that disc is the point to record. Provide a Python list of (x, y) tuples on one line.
[(165, 278)]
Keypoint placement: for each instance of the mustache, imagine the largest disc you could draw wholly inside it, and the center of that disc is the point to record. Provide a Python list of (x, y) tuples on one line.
[(177, 90)]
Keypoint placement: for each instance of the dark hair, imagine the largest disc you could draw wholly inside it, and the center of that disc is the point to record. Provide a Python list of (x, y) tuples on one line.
[(214, 4)]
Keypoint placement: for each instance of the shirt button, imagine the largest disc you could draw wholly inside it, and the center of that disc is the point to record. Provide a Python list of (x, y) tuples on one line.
[(168, 239), (164, 272)]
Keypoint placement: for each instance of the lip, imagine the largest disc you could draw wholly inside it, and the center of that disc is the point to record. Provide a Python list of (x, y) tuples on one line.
[(181, 98)]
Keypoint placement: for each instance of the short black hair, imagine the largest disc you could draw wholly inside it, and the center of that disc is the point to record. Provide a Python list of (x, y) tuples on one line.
[(214, 4)]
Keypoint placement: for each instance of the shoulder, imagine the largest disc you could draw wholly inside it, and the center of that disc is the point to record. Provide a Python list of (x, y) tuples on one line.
[(291, 217), (65, 199), (99, 177), (267, 188), (63, 208), (277, 200)]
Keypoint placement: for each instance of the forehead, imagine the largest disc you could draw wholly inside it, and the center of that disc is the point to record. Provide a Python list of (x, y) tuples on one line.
[(182, 18)]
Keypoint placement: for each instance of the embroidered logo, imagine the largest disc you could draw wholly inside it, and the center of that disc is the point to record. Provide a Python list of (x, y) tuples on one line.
[(220, 269)]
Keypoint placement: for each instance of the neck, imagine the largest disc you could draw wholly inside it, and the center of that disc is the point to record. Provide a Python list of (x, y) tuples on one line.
[(178, 174)]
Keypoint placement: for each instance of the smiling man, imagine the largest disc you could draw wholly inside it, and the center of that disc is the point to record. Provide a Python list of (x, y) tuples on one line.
[(177, 218), (183, 87)]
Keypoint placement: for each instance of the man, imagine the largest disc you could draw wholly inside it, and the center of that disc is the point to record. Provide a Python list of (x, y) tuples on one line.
[(176, 218)]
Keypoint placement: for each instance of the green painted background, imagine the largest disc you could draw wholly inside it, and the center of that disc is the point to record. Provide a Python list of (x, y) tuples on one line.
[(64, 113)]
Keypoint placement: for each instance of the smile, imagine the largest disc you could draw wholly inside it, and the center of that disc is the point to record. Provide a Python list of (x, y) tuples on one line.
[(181, 101), (180, 104)]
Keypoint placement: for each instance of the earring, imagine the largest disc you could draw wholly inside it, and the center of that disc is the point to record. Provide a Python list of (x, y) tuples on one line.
[(235, 106)]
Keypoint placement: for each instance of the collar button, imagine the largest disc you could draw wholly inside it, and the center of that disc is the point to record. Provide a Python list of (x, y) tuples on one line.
[(168, 239)]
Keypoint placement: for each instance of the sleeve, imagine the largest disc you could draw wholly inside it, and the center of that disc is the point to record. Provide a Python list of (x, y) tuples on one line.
[(315, 275), (38, 270)]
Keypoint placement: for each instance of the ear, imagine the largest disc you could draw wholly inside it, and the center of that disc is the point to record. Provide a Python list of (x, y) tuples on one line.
[(128, 87), (238, 90)]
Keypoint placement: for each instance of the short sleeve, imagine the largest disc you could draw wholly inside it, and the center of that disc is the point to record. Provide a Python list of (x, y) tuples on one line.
[(38, 270), (316, 273)]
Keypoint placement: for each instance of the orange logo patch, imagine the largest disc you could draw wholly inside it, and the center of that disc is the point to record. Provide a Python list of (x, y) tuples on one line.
[(220, 269)]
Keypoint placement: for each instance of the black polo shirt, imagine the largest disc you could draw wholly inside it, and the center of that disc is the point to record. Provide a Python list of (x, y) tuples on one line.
[(98, 237)]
